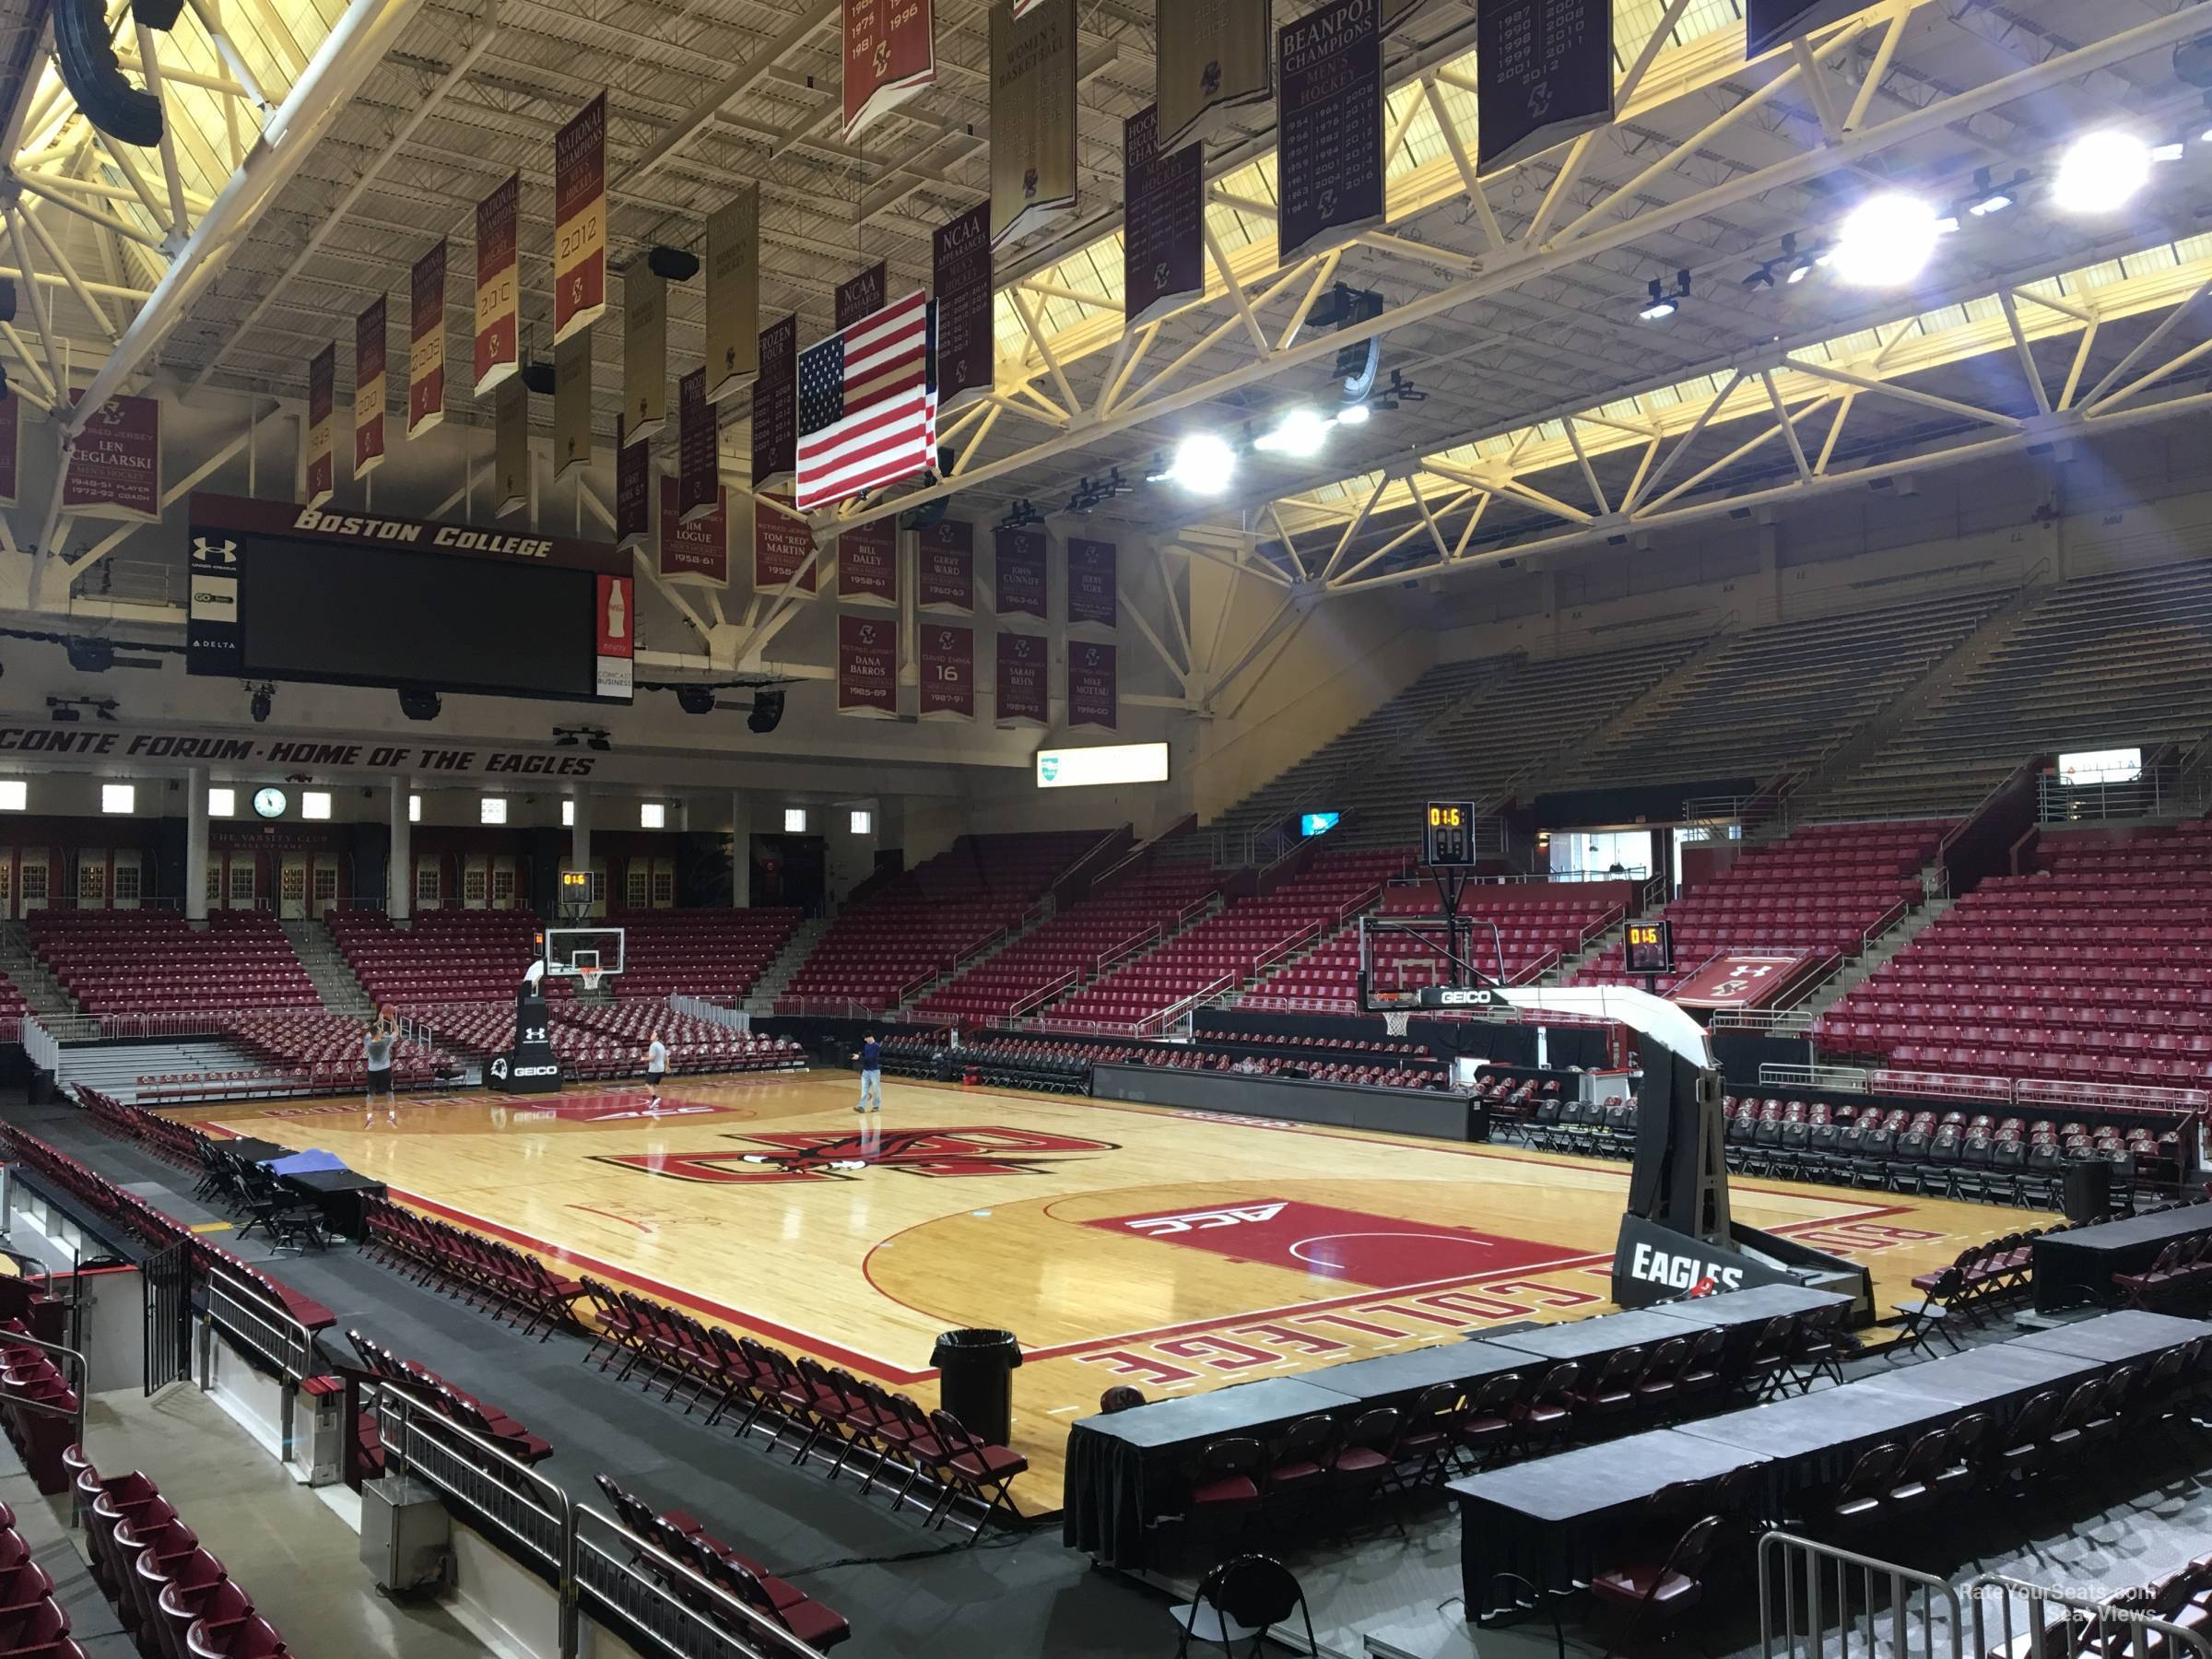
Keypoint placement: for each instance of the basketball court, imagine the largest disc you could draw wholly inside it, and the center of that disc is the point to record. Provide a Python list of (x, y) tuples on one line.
[(1170, 1250)]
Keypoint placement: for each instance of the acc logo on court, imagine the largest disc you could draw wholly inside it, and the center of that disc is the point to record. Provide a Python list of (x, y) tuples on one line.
[(801, 1156)]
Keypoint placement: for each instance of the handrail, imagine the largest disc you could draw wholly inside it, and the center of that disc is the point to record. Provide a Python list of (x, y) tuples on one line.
[(1045, 993), (79, 1389), (2147, 1634), (1116, 954), (635, 1599), (988, 943), (1176, 1010), (914, 987), (243, 1310), (1195, 910), (1283, 946)]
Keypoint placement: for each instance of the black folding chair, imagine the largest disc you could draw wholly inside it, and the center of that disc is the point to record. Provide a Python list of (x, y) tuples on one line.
[(1249, 1595)]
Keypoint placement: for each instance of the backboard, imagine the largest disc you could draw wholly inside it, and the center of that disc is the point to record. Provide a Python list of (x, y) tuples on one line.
[(571, 951)]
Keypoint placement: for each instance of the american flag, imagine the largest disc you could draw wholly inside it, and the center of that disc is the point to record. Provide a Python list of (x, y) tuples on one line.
[(867, 405)]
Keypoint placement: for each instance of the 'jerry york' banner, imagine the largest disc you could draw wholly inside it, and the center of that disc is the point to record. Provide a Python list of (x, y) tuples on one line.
[(426, 342), (580, 220), (498, 293), (322, 399), (1091, 589)]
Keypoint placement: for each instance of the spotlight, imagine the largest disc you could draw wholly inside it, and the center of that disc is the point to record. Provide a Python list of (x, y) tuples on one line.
[(1796, 266), (598, 743), (1298, 432), (1204, 465), (1020, 516), (1886, 241), (593, 737), (563, 737), (768, 710), (262, 701), (673, 264), (1661, 305), (1352, 414), (695, 699), (2102, 171), (1987, 197), (1763, 277), (60, 712), (538, 376), (420, 705)]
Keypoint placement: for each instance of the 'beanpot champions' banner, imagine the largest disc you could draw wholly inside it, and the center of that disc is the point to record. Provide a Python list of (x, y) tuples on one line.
[(580, 220), (426, 342), (1021, 584), (1329, 161), (1024, 660), (945, 566), (497, 292), (1093, 689), (947, 672), (321, 401), (868, 665), (867, 563)]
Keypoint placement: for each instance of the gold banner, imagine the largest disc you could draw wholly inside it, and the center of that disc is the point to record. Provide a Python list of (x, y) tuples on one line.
[(734, 295), (322, 411), (511, 447), (370, 330), (1032, 118), (1215, 56), (644, 354), (498, 291), (426, 343), (580, 220), (572, 403)]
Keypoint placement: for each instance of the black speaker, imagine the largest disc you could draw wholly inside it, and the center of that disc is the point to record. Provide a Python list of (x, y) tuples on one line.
[(110, 102), (768, 712)]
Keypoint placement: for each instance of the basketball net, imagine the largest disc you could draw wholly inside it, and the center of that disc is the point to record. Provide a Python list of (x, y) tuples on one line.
[(1393, 1025), (590, 976)]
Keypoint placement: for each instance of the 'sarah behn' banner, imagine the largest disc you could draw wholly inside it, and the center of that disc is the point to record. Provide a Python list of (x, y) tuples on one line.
[(1032, 118), (322, 411), (960, 286), (948, 680), (868, 665), (782, 545), (115, 472), (633, 492), (499, 294), (1093, 688), (1545, 73), (1020, 575), (945, 566), (580, 220), (368, 332), (695, 550), (1024, 662), (867, 563), (1329, 156), (426, 342), (1163, 223), (891, 54), (1091, 591), (645, 353), (1215, 56), (11, 447), (862, 296), (776, 406), (698, 447), (734, 295), (573, 404)]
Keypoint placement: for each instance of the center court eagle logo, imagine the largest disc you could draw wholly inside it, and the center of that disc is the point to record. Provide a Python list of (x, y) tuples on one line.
[(805, 1155)]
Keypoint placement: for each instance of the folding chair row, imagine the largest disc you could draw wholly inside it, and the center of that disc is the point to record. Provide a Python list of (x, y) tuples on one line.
[(480, 1271)]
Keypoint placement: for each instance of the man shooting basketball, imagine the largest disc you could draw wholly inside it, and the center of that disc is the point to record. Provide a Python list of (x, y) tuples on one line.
[(656, 1067), (870, 1072), (377, 1044)]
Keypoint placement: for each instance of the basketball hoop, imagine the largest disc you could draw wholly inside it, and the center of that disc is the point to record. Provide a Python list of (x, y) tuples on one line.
[(590, 976), (1393, 1025)]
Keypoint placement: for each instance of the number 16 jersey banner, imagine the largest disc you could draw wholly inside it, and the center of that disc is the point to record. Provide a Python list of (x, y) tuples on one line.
[(947, 672)]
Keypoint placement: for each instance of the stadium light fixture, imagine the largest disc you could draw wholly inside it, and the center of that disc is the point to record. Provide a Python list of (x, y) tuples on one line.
[(2105, 170), (1887, 241), (1989, 196), (262, 699), (420, 705), (1659, 303), (1204, 463), (1352, 414), (1298, 432)]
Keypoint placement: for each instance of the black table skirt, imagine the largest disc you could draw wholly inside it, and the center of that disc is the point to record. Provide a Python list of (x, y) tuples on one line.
[(342, 1196), (1103, 1512), (2075, 1269)]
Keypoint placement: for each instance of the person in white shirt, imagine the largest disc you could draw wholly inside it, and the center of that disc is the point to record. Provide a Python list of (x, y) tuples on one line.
[(656, 1067), (377, 1044)]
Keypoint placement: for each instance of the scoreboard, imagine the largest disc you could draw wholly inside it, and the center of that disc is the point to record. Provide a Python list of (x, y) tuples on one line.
[(287, 592), (1448, 835), (1648, 947)]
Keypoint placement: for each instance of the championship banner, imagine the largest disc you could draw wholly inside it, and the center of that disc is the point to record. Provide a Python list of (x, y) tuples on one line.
[(1091, 595), (947, 672), (1021, 586), (1032, 118), (1022, 694), (1215, 56), (1093, 692), (579, 221), (945, 566), (867, 563), (573, 404), (1544, 70), (321, 406), (698, 447), (781, 546), (1163, 223), (633, 493), (734, 295), (695, 550), (368, 332), (1329, 154), (891, 54), (1772, 23), (426, 342), (645, 353), (510, 446), (959, 283), (776, 406), (11, 447), (868, 665), (863, 295), (497, 292)]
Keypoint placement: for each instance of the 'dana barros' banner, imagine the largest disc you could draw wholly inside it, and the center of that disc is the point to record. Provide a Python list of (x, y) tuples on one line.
[(868, 665)]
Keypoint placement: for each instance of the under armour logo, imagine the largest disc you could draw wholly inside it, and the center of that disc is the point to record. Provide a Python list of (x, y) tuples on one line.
[(204, 552)]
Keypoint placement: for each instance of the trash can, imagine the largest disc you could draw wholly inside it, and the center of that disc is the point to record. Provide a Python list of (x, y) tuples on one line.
[(2088, 1189), (975, 1371)]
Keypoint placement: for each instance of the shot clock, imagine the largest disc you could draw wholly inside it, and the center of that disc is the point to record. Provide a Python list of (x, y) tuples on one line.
[(1648, 947), (1448, 835)]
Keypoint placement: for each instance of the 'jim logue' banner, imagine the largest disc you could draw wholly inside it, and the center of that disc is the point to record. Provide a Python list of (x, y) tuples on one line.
[(580, 220), (697, 550), (1329, 161)]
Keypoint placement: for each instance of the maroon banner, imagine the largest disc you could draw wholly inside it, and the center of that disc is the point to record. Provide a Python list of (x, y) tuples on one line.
[(1329, 157), (1543, 74), (499, 294), (776, 404), (11, 442), (1163, 222), (1091, 594), (1093, 691), (947, 672), (867, 563), (633, 492), (891, 54), (868, 665), (116, 472), (1022, 582), (697, 443), (322, 402), (580, 220), (781, 543), (863, 295), (960, 284), (369, 330), (426, 342), (945, 566), (695, 550), (1023, 660)]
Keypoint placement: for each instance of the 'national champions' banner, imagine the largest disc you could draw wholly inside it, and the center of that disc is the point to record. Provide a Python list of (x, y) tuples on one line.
[(1091, 591), (891, 54), (499, 294), (645, 353), (694, 551), (580, 220), (1329, 159), (868, 665), (426, 342), (368, 338), (1093, 691), (947, 681), (1544, 70), (1024, 661), (1163, 222), (867, 563), (734, 295), (1020, 587), (1215, 56), (322, 413), (1033, 177), (776, 406), (960, 285), (115, 469), (782, 547), (945, 566)]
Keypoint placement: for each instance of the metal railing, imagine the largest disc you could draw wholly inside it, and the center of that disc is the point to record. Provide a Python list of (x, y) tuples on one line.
[(614, 1572), (2157, 790), (1961, 1086), (727, 1014), (41, 1045), (1834, 1603), (77, 1376), (2056, 1624), (253, 1319)]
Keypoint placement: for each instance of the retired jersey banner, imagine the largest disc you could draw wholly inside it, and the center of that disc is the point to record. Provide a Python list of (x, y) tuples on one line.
[(1163, 223), (698, 447), (1023, 696), (1544, 70), (11, 447), (580, 220), (1215, 56), (945, 566), (694, 551), (863, 295), (369, 330), (1092, 592), (960, 285), (1093, 691), (499, 294), (734, 295), (426, 342), (1329, 154), (891, 54), (1032, 118), (776, 406), (1772, 23), (645, 353), (115, 472), (947, 672), (867, 563), (573, 404), (782, 547), (322, 411), (633, 493), (510, 446), (1021, 586), (868, 665)]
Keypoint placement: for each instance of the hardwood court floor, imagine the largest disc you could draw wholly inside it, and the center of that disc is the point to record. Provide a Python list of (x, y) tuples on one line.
[(1176, 1250)]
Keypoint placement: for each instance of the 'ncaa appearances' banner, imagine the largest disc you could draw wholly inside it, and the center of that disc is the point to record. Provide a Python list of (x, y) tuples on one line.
[(862, 296), (776, 406), (322, 411), (782, 547), (573, 404), (498, 295), (1023, 696), (509, 446), (115, 470), (1329, 158), (1093, 692), (1091, 597), (369, 330), (633, 493), (945, 567), (867, 563), (426, 343), (868, 665), (960, 286), (11, 447), (580, 220), (1215, 56), (1163, 223), (1545, 73), (891, 54), (734, 295), (698, 447), (697, 550), (645, 353), (1772, 23), (1020, 587), (1032, 118), (947, 672)]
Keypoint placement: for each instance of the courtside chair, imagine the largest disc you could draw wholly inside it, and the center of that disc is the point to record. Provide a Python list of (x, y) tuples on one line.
[(1545, 1412), (1360, 1467), (1300, 1464), (1858, 1502), (1425, 1445), (1659, 1591), (1225, 1490), (1250, 1594), (981, 1473)]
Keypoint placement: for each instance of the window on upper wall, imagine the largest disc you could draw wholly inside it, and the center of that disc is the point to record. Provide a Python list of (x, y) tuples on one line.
[(568, 815), (794, 821), (663, 889), (414, 810), (14, 794), (426, 884), (242, 882), (636, 887), (119, 798), (126, 883), (315, 804), (653, 815), (491, 809), (864, 821)]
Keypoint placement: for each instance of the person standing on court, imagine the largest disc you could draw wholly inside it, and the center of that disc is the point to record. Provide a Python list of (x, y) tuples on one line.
[(870, 1072), (376, 1052), (656, 1067)]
